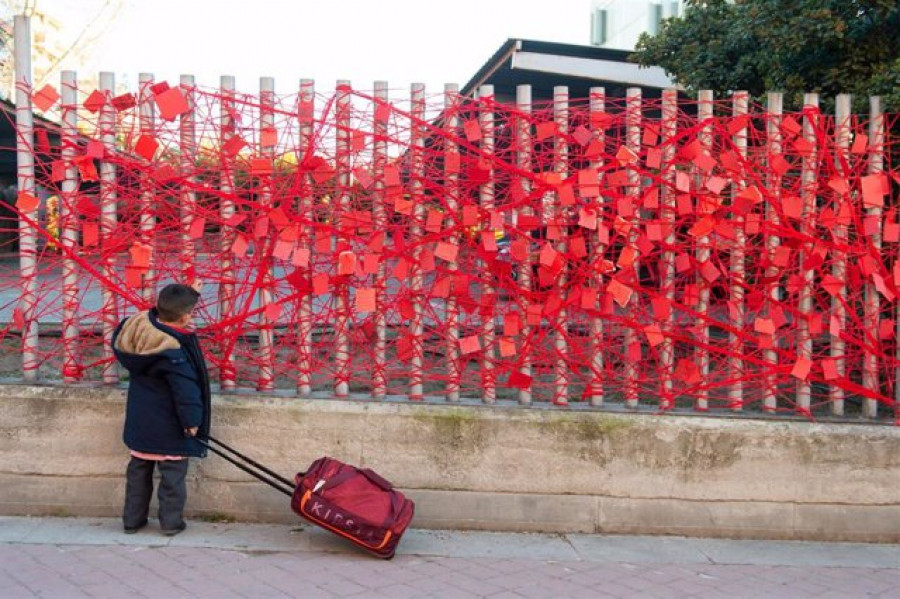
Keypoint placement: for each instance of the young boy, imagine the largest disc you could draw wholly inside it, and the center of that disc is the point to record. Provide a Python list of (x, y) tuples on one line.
[(168, 404)]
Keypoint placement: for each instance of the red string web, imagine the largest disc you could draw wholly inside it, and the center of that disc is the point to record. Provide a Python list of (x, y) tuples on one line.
[(589, 250)]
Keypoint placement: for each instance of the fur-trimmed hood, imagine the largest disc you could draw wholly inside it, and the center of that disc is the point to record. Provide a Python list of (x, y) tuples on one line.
[(138, 336)]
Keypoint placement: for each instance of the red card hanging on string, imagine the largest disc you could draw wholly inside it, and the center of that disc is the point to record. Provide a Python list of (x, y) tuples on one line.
[(566, 195), (473, 131), (146, 147), (261, 166), (544, 130), (134, 277), (94, 149), (587, 218), (90, 233), (171, 103), (582, 135), (268, 137), (382, 111), (621, 293), (239, 246), (469, 345), (446, 251), (654, 335), (358, 141), (874, 187), (435, 221), (86, 168), (346, 263), (272, 312), (365, 300), (124, 102), (95, 101), (58, 171), (518, 380), (140, 254), (232, 146), (362, 175), (320, 284), (391, 176), (300, 259), (26, 202), (790, 126), (451, 162), (283, 249), (198, 225), (507, 347), (45, 97), (801, 368), (830, 369), (601, 120), (860, 143)]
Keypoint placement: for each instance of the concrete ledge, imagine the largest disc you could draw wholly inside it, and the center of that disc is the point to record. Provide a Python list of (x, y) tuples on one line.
[(478, 468)]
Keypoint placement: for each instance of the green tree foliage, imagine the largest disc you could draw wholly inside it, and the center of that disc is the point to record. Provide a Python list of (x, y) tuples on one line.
[(793, 46)]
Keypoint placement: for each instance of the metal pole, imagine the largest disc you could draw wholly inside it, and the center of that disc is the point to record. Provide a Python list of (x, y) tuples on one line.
[(108, 201), (68, 234), (451, 188), (873, 301), (227, 372), (839, 266), (598, 251), (808, 176), (25, 184), (147, 217), (737, 267), (379, 218), (561, 167), (266, 326), (486, 199), (523, 161), (772, 241), (667, 213), (416, 187), (342, 163), (188, 147), (305, 209), (704, 253), (630, 339)]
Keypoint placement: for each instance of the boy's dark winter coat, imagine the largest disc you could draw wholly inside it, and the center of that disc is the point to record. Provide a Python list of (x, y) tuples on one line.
[(168, 389)]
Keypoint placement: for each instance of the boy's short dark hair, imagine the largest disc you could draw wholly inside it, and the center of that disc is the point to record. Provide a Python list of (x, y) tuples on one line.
[(175, 300)]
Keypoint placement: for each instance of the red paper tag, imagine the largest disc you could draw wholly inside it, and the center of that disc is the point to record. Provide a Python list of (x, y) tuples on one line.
[(45, 97), (95, 101), (171, 103), (365, 299), (468, 345), (146, 147), (26, 202)]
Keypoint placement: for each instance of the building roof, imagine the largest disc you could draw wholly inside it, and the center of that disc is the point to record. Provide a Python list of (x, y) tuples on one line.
[(545, 65)]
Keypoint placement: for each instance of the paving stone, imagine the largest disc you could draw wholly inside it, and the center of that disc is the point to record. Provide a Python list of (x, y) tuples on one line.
[(85, 558)]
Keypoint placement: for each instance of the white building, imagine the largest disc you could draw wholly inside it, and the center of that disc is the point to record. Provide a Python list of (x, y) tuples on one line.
[(617, 24)]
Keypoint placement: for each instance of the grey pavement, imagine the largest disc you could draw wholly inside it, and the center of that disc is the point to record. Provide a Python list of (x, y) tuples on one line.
[(91, 557)]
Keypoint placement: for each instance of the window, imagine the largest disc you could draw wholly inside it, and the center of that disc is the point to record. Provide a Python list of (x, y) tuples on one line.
[(655, 15), (599, 27)]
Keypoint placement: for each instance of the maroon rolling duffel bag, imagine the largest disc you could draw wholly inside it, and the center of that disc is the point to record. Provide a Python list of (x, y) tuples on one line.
[(354, 503)]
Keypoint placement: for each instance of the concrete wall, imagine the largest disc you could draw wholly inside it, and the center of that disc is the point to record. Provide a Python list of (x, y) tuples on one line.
[(483, 468)]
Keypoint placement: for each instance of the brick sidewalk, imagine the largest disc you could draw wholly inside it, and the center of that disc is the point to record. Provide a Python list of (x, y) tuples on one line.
[(239, 560)]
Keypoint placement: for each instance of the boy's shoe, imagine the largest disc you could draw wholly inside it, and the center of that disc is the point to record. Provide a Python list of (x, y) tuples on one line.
[(171, 532), (130, 530)]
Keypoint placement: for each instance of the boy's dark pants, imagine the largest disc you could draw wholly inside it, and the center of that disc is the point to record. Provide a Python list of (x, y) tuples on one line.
[(172, 492)]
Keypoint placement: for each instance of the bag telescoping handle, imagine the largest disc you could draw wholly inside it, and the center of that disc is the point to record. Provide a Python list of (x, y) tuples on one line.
[(273, 479)]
